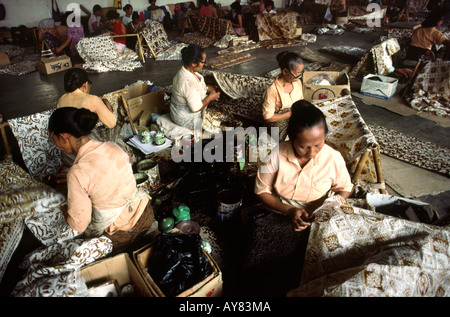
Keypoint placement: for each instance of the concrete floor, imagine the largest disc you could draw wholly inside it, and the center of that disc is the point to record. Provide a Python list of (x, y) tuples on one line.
[(25, 95)]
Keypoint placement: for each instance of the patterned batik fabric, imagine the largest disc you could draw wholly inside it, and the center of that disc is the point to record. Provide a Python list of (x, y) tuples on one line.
[(274, 26), (155, 36), (53, 271), (229, 60), (214, 28), (242, 95), (412, 150), (101, 55), (355, 252), (349, 134), (431, 89), (196, 38), (381, 60), (41, 156), (21, 196)]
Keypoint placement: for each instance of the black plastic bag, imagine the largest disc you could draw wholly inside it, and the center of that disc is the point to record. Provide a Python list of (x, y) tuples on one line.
[(178, 262)]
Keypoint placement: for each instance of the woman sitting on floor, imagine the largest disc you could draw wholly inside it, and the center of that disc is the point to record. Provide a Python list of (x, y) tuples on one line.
[(102, 195), (301, 172), (78, 87), (190, 94), (236, 18), (426, 36), (283, 92), (119, 28)]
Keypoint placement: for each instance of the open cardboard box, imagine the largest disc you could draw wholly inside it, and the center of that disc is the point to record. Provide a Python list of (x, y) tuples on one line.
[(210, 287), (142, 104), (315, 92), (119, 268), (378, 86)]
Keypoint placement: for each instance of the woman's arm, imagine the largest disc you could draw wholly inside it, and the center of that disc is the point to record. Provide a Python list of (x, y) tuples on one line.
[(63, 46), (298, 216), (279, 116)]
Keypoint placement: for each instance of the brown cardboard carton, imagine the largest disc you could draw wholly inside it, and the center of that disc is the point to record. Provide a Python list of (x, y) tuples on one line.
[(140, 102), (4, 58), (119, 268), (54, 64), (212, 286), (315, 92)]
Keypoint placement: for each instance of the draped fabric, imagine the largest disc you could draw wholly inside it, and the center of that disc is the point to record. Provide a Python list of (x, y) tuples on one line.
[(279, 25), (214, 28), (355, 252), (431, 89), (41, 156)]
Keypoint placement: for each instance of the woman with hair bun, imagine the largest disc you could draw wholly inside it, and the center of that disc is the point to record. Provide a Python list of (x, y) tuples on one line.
[(283, 92), (78, 86), (101, 189), (303, 171), (190, 94)]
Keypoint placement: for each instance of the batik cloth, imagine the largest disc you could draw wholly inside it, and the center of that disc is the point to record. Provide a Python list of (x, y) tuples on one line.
[(349, 134), (228, 60), (431, 89), (41, 156), (101, 55), (53, 271), (412, 150), (213, 28), (155, 36), (21, 197), (355, 252), (275, 26)]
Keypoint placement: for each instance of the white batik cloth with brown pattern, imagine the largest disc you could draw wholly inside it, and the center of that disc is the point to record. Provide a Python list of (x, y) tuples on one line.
[(53, 271), (155, 36), (101, 55), (349, 134), (23, 199), (41, 156), (431, 89), (354, 252)]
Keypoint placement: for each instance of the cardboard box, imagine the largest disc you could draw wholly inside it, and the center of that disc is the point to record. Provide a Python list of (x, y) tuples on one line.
[(341, 20), (140, 102), (212, 286), (315, 92), (4, 58), (298, 32), (384, 89), (54, 64), (119, 268)]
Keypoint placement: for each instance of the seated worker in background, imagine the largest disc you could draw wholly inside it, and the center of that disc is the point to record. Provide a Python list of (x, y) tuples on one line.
[(205, 10), (78, 86), (301, 172), (212, 7), (425, 37), (338, 8), (74, 34), (283, 92), (127, 18), (95, 25), (269, 7), (101, 189), (236, 18), (190, 94), (118, 29), (134, 27)]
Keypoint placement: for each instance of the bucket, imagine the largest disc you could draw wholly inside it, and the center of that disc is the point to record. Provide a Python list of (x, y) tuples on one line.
[(141, 180), (228, 201), (150, 167)]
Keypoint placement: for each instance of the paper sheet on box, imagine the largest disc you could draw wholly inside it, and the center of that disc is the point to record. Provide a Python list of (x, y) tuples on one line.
[(148, 148)]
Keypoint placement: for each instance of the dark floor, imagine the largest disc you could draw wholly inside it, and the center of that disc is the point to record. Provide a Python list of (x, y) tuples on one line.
[(35, 92)]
